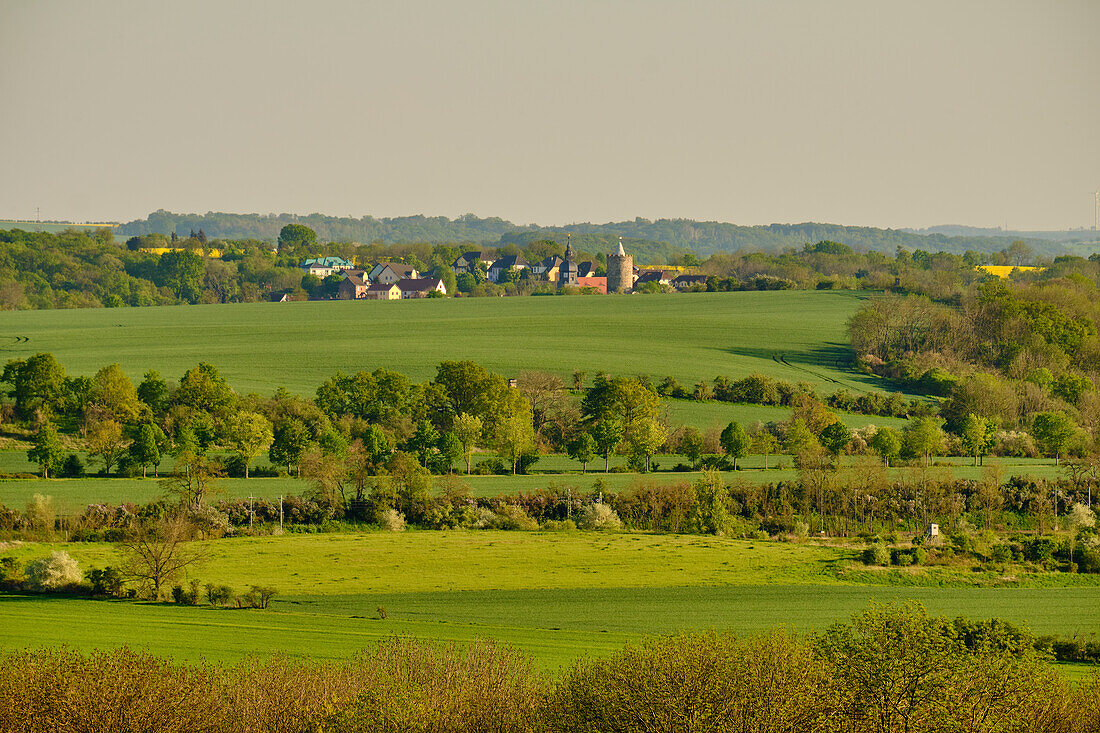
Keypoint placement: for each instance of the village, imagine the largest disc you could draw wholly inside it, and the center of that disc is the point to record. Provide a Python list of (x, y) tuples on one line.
[(400, 281)]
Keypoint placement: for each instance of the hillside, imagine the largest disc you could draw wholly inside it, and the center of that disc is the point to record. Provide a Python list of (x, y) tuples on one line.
[(661, 237), (791, 335)]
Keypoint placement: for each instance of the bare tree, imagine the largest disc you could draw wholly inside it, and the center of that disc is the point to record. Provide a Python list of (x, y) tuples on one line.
[(193, 480), (157, 552)]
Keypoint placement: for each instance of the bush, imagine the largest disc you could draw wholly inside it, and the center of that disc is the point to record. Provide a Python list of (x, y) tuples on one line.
[(554, 525), (1000, 553), (391, 520), (876, 554), (106, 582), (73, 467), (920, 556), (598, 516), (901, 558), (218, 595), (56, 572)]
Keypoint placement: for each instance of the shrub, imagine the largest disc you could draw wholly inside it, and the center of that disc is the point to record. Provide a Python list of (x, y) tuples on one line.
[(391, 520), (218, 595), (876, 554), (106, 582), (919, 555), (1000, 553), (56, 572), (598, 516), (73, 467)]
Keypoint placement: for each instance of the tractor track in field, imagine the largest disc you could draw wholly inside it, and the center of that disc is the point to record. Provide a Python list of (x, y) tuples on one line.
[(780, 358), (12, 342)]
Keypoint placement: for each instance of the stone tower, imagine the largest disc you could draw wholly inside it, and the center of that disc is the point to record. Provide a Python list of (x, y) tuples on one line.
[(620, 271)]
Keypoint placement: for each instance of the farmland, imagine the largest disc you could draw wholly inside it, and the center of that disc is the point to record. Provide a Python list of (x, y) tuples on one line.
[(793, 335), (555, 595)]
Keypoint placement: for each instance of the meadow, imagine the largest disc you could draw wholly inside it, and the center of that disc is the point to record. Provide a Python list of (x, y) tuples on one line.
[(790, 335), (555, 595)]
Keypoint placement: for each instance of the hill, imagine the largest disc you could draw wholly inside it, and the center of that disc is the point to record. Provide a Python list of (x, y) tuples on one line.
[(661, 237), (791, 335)]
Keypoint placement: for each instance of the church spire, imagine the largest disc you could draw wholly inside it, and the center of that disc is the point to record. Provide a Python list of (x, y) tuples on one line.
[(621, 251)]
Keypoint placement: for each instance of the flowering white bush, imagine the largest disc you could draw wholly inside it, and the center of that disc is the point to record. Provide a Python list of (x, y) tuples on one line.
[(599, 516), (392, 520), (53, 572)]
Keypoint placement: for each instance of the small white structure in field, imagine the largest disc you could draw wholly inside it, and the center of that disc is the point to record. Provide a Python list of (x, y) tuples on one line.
[(932, 535)]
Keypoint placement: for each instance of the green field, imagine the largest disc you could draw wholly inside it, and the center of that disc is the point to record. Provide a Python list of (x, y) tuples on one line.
[(791, 335), (557, 596)]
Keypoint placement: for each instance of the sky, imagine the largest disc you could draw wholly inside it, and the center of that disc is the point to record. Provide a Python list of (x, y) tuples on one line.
[(862, 112)]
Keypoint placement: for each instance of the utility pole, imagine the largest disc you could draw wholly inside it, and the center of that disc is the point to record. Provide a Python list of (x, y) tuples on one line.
[(251, 512), (280, 512)]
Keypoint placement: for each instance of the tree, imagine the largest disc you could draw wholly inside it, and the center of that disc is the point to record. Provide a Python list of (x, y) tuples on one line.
[(423, 442), (203, 388), (113, 391), (735, 441), (193, 479), (835, 437), (887, 444), (181, 271), (157, 552), (249, 435), (647, 438), (145, 449), (977, 436), (37, 383), (515, 436), (467, 428), (583, 448), (1052, 431), (922, 437), (799, 438), (105, 440), (765, 444), (289, 443), (608, 434), (297, 235), (691, 445), (153, 391), (448, 450), (47, 451)]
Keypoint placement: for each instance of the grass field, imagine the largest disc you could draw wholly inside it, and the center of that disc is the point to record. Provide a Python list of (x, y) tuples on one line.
[(792, 335), (557, 596)]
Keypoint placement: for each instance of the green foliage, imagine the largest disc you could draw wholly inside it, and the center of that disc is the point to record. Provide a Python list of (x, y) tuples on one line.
[(735, 441), (297, 235), (47, 450)]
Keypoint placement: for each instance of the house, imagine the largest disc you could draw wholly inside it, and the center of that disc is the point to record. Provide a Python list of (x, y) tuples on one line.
[(548, 268), (383, 291), (599, 283), (661, 277), (505, 264), (353, 287), (391, 272), (586, 269), (686, 282), (469, 262), (322, 267), (419, 287)]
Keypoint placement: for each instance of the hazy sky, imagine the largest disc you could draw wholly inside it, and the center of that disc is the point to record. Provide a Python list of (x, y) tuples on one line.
[(855, 111)]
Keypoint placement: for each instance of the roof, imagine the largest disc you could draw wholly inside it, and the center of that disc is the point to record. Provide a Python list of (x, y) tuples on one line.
[(552, 261), (355, 280), (511, 261), (691, 279), (420, 283), (382, 287), (468, 258), (327, 262)]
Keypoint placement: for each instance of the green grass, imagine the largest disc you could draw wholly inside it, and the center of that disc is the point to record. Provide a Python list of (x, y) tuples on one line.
[(260, 346), (557, 596), (705, 415)]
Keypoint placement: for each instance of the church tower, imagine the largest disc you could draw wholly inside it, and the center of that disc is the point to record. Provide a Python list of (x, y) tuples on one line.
[(620, 271), (567, 272)]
